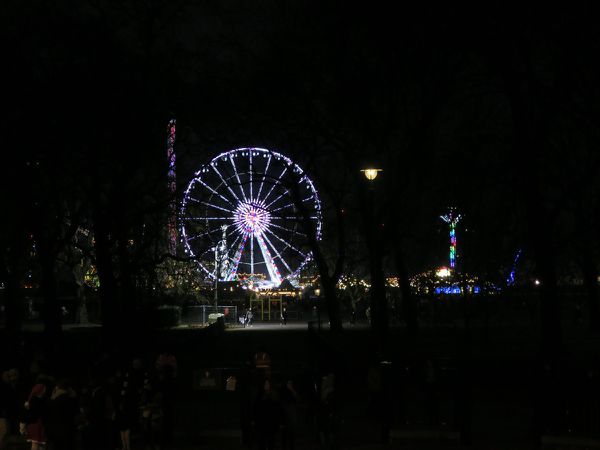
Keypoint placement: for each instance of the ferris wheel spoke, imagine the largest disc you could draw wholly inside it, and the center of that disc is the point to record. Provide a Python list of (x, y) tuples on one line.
[(237, 255), (214, 192), (225, 183), (279, 197), (252, 255), (200, 218), (235, 241), (291, 204), (217, 207), (275, 183), (191, 218), (237, 176), (287, 229), (268, 259), (264, 177), (282, 207), (286, 243), (292, 217), (210, 218), (250, 174), (193, 199), (196, 236), (287, 266)]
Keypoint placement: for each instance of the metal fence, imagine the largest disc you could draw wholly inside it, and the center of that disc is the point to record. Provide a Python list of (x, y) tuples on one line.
[(198, 315)]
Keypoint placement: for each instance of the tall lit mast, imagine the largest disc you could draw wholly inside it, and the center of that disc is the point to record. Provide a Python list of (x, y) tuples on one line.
[(452, 218), (172, 184), (510, 281)]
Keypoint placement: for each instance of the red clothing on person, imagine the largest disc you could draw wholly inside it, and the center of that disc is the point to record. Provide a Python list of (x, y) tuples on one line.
[(35, 410)]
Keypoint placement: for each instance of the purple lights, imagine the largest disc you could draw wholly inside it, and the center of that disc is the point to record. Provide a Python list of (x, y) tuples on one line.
[(172, 225), (252, 218), (240, 203)]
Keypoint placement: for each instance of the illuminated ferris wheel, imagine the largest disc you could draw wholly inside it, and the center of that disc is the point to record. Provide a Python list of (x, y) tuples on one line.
[(239, 220)]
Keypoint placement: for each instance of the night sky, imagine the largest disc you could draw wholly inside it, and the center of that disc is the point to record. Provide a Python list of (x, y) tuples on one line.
[(491, 110)]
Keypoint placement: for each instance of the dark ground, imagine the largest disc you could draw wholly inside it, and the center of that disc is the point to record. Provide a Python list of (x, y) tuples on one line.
[(488, 383)]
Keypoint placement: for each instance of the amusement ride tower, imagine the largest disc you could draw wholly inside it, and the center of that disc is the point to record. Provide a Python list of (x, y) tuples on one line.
[(452, 218), (172, 185)]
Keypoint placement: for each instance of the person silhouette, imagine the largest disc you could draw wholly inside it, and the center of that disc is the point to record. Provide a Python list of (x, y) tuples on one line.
[(249, 316), (268, 415)]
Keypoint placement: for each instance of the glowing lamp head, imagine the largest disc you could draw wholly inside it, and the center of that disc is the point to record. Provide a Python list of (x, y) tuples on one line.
[(371, 174)]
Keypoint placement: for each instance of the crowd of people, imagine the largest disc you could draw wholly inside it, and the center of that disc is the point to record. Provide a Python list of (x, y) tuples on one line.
[(274, 417), (115, 403)]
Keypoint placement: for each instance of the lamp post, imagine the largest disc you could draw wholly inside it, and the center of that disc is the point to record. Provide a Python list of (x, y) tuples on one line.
[(374, 244), (318, 294)]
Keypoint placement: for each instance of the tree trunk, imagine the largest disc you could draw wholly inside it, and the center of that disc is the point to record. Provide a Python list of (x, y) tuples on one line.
[(529, 139), (13, 300), (329, 289), (549, 314), (51, 310), (328, 281), (379, 313), (108, 290), (374, 240), (515, 65), (333, 307), (127, 288), (409, 302), (590, 278)]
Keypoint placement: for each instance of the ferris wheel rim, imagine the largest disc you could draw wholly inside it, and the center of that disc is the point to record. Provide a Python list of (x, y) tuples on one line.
[(229, 195)]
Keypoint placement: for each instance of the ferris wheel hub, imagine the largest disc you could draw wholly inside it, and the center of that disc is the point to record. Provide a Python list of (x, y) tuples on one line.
[(251, 217)]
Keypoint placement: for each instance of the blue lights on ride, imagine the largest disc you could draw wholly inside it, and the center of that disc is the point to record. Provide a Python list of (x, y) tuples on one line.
[(453, 290)]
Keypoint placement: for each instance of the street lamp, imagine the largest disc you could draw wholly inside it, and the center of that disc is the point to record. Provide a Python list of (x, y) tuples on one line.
[(375, 244), (371, 174)]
